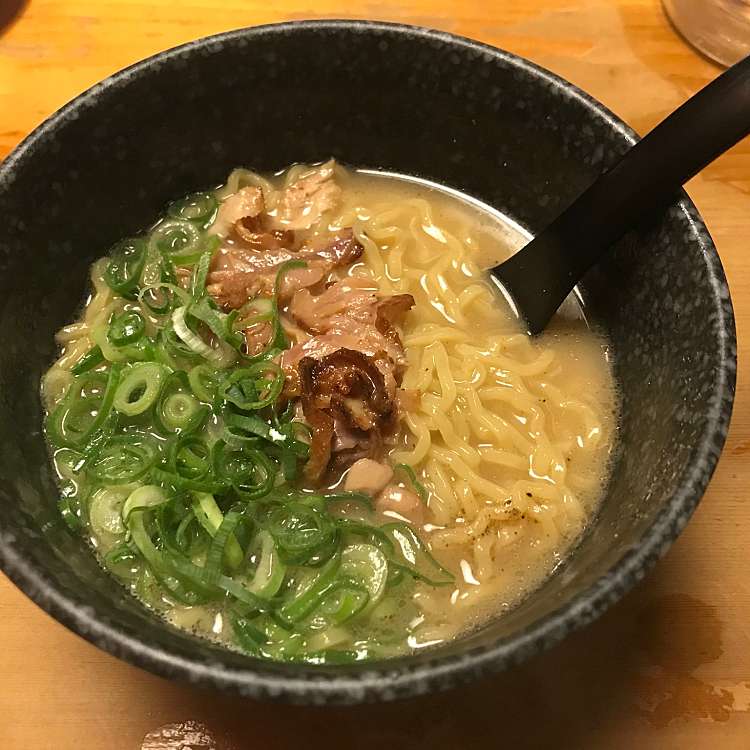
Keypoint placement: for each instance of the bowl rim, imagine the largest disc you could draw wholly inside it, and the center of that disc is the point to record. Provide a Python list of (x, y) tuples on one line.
[(397, 678)]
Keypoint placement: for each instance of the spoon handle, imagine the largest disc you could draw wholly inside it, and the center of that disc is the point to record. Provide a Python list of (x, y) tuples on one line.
[(541, 275)]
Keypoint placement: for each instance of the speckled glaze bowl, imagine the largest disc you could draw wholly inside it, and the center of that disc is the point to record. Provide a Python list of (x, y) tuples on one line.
[(402, 99)]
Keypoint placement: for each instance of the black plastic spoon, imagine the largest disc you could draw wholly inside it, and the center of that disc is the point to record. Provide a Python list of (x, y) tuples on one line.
[(537, 279)]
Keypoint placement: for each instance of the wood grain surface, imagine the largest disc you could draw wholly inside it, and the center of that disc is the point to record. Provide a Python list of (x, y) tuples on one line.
[(667, 668)]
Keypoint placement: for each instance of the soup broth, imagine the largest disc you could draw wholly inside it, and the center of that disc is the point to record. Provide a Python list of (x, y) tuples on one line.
[(295, 417)]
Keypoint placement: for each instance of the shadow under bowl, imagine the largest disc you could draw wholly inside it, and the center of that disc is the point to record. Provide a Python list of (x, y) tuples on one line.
[(402, 99)]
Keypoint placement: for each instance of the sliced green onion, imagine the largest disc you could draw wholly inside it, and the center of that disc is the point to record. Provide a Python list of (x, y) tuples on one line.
[(300, 447), (100, 438), (177, 409), (207, 511), (288, 649), (105, 513), (198, 207), (250, 388), (309, 500), (368, 566), (168, 271), (211, 244), (141, 349), (375, 534), (324, 640), (279, 340), (162, 298), (146, 497), (414, 558), (289, 465), (172, 570), (265, 637), (93, 358), (124, 268), (140, 388), (350, 497), (152, 268), (172, 351), (241, 428), (250, 429), (194, 342), (181, 535), (190, 457), (419, 488), (310, 595), (109, 352), (219, 550), (178, 240), (200, 276), (237, 591), (84, 408), (124, 460), (68, 462), (302, 533), (171, 479), (70, 507), (126, 328), (286, 567), (121, 559), (345, 600), (220, 357), (211, 518), (250, 472), (219, 323), (270, 571), (204, 380), (181, 410), (167, 519), (185, 580), (248, 637), (258, 310)]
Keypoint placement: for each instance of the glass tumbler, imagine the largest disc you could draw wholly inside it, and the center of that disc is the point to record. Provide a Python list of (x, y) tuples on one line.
[(720, 29)]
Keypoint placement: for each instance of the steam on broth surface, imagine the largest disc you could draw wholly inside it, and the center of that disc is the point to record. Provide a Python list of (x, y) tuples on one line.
[(295, 417)]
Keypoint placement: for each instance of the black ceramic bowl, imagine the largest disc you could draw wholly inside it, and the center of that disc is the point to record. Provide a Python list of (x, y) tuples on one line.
[(376, 95)]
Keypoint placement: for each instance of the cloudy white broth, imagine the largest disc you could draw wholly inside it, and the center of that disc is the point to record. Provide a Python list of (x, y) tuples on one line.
[(295, 418)]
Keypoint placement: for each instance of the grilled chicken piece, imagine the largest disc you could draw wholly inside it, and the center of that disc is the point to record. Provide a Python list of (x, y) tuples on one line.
[(240, 271), (403, 502), (368, 476), (305, 200), (245, 203)]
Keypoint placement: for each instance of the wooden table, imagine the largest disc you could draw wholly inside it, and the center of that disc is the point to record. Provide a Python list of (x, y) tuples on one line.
[(667, 668)]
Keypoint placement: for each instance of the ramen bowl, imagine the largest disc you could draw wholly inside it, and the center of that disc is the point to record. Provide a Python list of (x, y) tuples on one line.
[(404, 100)]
